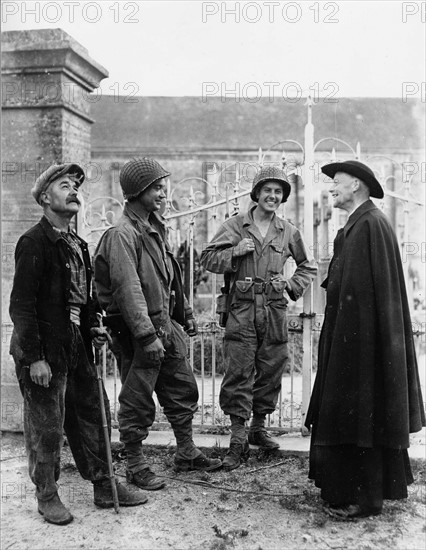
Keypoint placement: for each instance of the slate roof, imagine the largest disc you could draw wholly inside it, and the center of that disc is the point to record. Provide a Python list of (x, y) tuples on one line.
[(188, 123)]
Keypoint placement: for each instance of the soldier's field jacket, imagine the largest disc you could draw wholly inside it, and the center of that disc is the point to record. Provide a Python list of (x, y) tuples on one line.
[(282, 241), (136, 276)]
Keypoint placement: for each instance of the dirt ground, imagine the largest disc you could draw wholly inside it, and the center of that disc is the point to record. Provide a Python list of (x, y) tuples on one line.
[(264, 505)]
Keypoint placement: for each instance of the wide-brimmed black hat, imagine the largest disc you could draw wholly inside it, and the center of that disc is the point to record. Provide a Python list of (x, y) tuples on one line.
[(270, 173), (359, 170)]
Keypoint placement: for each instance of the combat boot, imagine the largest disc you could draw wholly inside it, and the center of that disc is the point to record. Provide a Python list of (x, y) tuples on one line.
[(145, 479), (263, 439), (103, 494), (238, 452), (53, 511), (201, 463), (188, 456)]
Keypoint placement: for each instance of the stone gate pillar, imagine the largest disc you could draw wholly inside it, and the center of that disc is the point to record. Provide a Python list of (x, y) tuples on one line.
[(47, 78)]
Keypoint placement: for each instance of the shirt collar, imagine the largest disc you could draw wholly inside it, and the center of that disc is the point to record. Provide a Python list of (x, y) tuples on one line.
[(156, 221), (249, 220), (52, 232)]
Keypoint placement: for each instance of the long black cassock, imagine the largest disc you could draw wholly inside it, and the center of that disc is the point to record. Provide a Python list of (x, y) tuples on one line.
[(366, 397)]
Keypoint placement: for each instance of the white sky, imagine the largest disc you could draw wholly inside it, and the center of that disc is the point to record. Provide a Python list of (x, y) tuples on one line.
[(168, 50)]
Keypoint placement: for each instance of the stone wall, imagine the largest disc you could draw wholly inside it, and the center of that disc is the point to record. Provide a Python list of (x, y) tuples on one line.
[(46, 80)]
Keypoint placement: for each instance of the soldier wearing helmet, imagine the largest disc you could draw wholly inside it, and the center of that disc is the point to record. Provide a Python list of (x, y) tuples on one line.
[(251, 250), (139, 286), (55, 326)]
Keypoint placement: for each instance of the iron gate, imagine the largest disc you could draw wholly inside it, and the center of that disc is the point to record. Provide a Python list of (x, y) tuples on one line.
[(199, 210)]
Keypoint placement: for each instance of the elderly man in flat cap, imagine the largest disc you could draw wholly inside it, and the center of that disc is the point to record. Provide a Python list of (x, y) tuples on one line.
[(366, 399), (251, 250), (55, 325), (139, 285)]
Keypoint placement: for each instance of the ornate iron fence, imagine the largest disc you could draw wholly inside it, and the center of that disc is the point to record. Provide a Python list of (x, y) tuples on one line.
[(194, 209)]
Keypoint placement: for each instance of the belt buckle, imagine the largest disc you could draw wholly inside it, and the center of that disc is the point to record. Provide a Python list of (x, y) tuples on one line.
[(259, 288)]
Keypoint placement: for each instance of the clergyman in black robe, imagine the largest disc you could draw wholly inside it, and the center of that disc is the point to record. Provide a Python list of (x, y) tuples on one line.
[(366, 398)]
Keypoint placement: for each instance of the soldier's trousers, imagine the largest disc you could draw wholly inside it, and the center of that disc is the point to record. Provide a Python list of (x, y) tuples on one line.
[(70, 404), (256, 353), (172, 380)]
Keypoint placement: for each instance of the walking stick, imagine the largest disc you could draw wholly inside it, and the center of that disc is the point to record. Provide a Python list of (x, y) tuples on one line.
[(106, 436)]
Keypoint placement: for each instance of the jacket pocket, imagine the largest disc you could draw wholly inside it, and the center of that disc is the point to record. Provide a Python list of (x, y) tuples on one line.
[(244, 291), (277, 257), (240, 321), (277, 331), (241, 313), (56, 348), (276, 291), (174, 342)]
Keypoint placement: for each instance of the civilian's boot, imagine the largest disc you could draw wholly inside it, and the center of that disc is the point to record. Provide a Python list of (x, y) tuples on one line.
[(53, 511)]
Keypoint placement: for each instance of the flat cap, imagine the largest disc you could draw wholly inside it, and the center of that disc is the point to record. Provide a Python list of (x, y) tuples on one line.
[(138, 174), (270, 173), (54, 172)]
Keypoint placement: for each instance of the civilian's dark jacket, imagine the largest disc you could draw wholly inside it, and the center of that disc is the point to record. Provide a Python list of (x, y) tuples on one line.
[(39, 300)]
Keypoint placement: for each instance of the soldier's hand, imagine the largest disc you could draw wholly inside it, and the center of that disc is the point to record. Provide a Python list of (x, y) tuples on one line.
[(40, 373), (155, 350), (100, 336), (280, 278), (246, 246), (191, 327)]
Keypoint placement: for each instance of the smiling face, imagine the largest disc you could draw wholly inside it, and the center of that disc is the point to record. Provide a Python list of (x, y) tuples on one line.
[(342, 190), (152, 198), (270, 196), (61, 197)]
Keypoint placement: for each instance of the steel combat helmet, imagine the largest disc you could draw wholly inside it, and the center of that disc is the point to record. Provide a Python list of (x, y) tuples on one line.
[(270, 173), (138, 174)]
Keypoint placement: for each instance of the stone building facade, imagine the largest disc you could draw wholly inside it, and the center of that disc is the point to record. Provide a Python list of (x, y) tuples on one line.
[(198, 139), (46, 79), (52, 113)]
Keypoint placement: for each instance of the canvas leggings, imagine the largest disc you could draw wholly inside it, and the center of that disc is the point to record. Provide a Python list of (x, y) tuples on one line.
[(256, 353), (70, 404), (172, 380)]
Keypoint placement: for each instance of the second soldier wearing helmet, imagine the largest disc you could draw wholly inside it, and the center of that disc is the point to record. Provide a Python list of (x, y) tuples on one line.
[(251, 250), (139, 286)]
